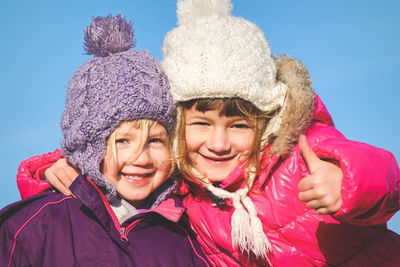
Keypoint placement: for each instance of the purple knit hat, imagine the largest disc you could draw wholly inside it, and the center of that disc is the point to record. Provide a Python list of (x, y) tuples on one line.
[(117, 84)]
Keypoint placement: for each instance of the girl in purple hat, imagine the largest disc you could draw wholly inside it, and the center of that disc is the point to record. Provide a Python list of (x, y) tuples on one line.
[(116, 128)]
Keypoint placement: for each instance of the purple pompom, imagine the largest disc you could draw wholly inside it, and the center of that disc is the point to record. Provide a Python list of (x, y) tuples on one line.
[(108, 35)]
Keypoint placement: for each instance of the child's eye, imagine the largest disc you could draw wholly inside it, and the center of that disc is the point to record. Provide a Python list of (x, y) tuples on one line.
[(241, 126), (121, 141), (200, 123), (156, 140)]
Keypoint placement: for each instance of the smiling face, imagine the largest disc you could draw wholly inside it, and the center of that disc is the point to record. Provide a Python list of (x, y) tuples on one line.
[(137, 160), (216, 144)]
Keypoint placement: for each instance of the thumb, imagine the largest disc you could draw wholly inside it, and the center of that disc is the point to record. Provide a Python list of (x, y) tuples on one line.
[(309, 157)]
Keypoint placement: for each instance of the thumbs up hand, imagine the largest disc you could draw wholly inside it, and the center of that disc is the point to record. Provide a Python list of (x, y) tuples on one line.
[(321, 190)]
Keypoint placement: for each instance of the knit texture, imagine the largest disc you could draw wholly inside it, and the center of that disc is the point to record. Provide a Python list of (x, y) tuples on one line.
[(117, 85), (212, 54)]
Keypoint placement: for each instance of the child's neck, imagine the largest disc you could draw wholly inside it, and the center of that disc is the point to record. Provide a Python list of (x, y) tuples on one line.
[(123, 210)]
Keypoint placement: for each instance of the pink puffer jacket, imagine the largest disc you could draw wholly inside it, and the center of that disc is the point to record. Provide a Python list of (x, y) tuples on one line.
[(355, 236)]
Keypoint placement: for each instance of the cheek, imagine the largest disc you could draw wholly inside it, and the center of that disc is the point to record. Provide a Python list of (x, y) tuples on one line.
[(125, 154), (193, 140), (108, 164), (162, 160), (245, 141), (191, 144), (109, 169)]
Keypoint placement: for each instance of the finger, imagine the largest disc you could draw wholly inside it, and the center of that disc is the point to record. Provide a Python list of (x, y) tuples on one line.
[(70, 174), (314, 204), (324, 208), (64, 177), (55, 182), (334, 207), (339, 204), (323, 211), (307, 196), (310, 158), (307, 183), (63, 170)]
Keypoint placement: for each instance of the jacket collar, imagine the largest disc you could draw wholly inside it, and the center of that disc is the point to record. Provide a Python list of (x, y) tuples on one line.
[(91, 196)]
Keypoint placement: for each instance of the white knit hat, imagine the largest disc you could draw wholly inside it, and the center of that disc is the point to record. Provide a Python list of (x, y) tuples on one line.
[(212, 54)]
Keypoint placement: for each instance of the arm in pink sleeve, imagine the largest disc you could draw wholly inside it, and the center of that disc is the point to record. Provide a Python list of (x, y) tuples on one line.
[(371, 177), (30, 176)]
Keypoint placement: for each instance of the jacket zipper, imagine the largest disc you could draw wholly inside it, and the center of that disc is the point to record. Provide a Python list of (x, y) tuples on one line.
[(123, 231)]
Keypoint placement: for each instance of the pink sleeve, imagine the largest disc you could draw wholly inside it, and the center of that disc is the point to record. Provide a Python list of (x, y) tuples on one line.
[(371, 176), (30, 176)]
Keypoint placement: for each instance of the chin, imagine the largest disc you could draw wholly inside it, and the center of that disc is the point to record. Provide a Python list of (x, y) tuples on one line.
[(135, 195), (216, 178)]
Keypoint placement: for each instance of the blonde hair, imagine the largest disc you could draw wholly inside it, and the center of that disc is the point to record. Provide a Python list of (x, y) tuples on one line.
[(227, 107), (144, 125)]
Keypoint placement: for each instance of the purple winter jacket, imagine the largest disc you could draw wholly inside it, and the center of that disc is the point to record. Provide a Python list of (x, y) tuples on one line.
[(51, 229)]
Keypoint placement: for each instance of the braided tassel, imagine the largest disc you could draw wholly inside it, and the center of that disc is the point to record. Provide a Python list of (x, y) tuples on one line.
[(260, 244), (247, 231), (241, 228)]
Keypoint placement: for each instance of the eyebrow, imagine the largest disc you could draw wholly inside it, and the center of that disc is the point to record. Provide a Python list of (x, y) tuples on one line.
[(159, 133), (125, 134), (231, 118)]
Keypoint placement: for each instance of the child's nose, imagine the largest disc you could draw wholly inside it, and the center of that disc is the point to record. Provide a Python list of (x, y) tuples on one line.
[(143, 159), (219, 141)]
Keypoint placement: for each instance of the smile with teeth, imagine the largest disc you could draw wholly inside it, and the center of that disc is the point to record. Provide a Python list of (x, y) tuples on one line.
[(136, 178)]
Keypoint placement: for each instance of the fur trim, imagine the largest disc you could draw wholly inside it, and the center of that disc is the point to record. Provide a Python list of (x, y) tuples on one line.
[(298, 106)]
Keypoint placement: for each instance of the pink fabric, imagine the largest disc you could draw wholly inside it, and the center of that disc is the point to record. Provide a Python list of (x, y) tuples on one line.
[(30, 176), (299, 236)]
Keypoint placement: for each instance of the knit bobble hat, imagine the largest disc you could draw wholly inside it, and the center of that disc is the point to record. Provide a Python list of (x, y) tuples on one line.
[(212, 54), (118, 84)]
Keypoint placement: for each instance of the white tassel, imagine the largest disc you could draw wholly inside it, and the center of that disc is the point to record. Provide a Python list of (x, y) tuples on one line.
[(240, 230), (260, 243), (247, 231), (240, 223)]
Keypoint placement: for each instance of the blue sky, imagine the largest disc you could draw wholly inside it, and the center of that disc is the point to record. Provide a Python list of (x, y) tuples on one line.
[(351, 49)]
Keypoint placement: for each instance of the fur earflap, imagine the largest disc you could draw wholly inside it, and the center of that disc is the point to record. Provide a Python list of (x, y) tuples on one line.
[(298, 106)]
